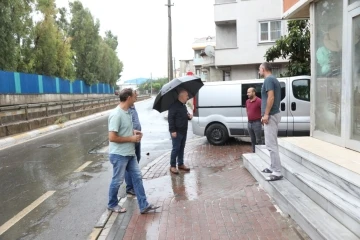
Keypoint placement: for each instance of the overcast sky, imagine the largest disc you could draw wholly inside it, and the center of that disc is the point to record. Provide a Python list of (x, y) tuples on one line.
[(141, 27)]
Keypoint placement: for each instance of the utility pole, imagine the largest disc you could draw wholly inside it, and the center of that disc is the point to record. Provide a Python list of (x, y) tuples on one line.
[(170, 64), (174, 69)]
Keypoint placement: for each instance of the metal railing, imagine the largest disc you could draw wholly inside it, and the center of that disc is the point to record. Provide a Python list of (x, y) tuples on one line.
[(25, 112)]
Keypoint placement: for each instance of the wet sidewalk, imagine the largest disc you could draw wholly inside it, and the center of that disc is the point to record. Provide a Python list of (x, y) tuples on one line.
[(218, 199)]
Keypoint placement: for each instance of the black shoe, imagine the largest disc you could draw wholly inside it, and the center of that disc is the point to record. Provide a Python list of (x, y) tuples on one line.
[(274, 178), (266, 170), (131, 192), (149, 208)]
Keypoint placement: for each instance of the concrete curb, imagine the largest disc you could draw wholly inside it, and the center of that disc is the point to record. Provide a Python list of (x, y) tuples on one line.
[(23, 137)]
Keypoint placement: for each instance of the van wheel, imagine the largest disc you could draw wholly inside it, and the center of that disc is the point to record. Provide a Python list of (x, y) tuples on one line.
[(217, 134)]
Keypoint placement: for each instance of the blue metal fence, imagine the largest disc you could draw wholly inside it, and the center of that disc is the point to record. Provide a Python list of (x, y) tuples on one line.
[(23, 83)]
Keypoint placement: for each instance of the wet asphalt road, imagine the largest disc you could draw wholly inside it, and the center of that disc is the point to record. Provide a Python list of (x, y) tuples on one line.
[(32, 169)]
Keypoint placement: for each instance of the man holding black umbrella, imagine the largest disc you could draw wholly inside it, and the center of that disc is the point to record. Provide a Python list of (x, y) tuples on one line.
[(178, 117)]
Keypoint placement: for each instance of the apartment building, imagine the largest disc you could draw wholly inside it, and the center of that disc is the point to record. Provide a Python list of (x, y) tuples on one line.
[(245, 29), (204, 59)]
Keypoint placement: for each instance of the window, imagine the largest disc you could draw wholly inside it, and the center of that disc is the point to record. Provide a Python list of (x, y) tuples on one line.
[(258, 87), (276, 71), (301, 89), (197, 54), (328, 21), (226, 76), (270, 31)]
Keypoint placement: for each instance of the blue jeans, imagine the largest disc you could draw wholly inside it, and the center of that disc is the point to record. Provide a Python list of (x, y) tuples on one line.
[(128, 180), (255, 130), (178, 146), (120, 165)]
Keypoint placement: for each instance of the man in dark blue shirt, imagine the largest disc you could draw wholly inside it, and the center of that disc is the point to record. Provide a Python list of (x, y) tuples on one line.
[(271, 117), (178, 117), (136, 126)]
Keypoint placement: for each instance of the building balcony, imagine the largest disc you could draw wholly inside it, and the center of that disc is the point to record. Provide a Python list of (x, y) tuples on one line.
[(225, 12), (242, 55), (203, 61)]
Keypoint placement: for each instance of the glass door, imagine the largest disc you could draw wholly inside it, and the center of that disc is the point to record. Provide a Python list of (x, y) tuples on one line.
[(354, 74)]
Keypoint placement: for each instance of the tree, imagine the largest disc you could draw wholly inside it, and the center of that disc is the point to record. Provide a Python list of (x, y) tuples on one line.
[(15, 26), (65, 56), (84, 32), (45, 51), (66, 68), (110, 66), (295, 47), (52, 52), (62, 20), (156, 86), (111, 40)]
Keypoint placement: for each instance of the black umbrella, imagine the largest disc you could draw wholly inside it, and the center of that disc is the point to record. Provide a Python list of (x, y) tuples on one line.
[(169, 92)]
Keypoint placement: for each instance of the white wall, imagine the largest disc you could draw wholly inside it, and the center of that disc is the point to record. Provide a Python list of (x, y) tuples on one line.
[(225, 12), (227, 37), (249, 13), (244, 72), (215, 74)]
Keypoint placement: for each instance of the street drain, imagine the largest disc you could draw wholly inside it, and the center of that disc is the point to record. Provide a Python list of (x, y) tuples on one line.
[(50, 146)]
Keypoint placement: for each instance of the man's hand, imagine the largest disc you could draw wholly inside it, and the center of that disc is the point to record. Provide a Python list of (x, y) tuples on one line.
[(173, 134), (137, 132), (137, 136), (265, 119), (190, 116)]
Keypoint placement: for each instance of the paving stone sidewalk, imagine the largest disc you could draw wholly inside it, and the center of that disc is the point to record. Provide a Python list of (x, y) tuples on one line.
[(218, 199)]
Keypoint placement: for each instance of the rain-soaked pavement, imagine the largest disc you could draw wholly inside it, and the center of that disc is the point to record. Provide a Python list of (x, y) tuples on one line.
[(44, 191), (56, 187), (218, 199)]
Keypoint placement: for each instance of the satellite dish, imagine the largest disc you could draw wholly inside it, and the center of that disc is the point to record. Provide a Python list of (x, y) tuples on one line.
[(210, 51)]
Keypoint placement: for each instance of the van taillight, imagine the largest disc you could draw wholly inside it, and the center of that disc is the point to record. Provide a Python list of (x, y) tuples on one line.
[(194, 104)]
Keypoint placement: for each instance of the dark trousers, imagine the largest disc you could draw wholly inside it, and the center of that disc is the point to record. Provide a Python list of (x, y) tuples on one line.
[(255, 129), (177, 152), (128, 180)]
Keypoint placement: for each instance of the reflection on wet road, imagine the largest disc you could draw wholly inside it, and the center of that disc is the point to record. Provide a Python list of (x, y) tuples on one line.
[(182, 187)]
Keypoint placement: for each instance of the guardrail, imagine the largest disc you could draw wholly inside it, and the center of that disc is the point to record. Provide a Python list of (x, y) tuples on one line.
[(26, 112)]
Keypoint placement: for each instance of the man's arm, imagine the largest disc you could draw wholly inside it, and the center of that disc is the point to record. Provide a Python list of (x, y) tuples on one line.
[(246, 107), (270, 101), (171, 119), (113, 137), (114, 126)]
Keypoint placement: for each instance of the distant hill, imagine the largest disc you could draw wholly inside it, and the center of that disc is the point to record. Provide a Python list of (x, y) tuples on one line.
[(136, 81)]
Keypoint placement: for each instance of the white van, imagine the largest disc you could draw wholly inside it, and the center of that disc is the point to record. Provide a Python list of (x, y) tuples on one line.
[(220, 113)]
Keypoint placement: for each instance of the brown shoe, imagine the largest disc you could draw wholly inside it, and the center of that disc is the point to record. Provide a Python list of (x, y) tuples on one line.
[(184, 168), (174, 170)]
